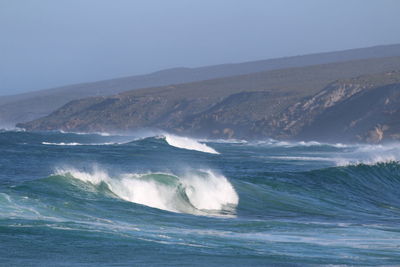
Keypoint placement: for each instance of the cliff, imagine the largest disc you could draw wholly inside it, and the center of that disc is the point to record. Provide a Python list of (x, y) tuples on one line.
[(361, 109)]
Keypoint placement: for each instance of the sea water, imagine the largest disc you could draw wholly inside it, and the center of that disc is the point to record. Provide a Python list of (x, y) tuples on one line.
[(69, 199)]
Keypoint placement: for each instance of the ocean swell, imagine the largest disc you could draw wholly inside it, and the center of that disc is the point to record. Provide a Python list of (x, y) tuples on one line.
[(201, 192)]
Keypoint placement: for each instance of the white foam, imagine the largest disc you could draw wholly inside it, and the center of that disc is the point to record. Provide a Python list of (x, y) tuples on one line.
[(289, 144), (354, 154), (11, 129), (188, 143), (370, 154), (302, 158), (207, 193), (13, 207), (88, 133), (61, 144), (224, 141), (77, 144)]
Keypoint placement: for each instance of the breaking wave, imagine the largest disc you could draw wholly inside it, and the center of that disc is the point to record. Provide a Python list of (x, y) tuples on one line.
[(172, 140), (201, 192), (188, 143)]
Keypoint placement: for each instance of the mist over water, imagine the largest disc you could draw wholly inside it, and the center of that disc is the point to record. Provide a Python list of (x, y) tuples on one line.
[(265, 202)]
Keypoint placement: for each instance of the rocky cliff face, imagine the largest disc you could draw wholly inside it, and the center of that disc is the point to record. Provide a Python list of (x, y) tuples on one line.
[(362, 109), (303, 113)]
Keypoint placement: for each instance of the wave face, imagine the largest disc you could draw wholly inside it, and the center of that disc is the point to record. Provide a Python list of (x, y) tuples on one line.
[(199, 193), (99, 200)]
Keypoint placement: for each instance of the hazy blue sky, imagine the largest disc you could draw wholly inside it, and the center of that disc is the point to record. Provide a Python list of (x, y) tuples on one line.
[(47, 43)]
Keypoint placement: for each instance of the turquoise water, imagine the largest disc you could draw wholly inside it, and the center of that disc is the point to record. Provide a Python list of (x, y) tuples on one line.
[(102, 200)]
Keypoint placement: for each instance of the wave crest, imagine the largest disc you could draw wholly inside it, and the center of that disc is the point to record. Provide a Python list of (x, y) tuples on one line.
[(200, 192), (188, 143)]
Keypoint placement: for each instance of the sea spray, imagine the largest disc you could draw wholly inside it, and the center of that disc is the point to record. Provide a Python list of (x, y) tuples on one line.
[(370, 155), (200, 192), (294, 201), (188, 143)]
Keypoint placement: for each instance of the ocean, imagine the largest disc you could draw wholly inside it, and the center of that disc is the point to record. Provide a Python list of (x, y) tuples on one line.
[(70, 199)]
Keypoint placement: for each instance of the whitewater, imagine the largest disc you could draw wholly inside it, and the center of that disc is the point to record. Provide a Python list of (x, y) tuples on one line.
[(75, 199)]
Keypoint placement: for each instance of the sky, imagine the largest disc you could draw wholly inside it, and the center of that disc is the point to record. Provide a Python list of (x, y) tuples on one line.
[(47, 43)]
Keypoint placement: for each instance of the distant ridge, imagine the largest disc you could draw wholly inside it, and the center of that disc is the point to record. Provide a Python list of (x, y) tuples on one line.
[(284, 104), (29, 106)]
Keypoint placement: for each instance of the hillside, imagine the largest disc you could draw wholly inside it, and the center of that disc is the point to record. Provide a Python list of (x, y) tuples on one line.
[(361, 109), (30, 106), (286, 104)]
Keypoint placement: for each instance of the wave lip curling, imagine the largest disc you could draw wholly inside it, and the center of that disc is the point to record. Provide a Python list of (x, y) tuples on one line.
[(200, 192)]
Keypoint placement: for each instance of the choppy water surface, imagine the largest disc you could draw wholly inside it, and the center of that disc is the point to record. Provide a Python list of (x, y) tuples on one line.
[(89, 199)]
